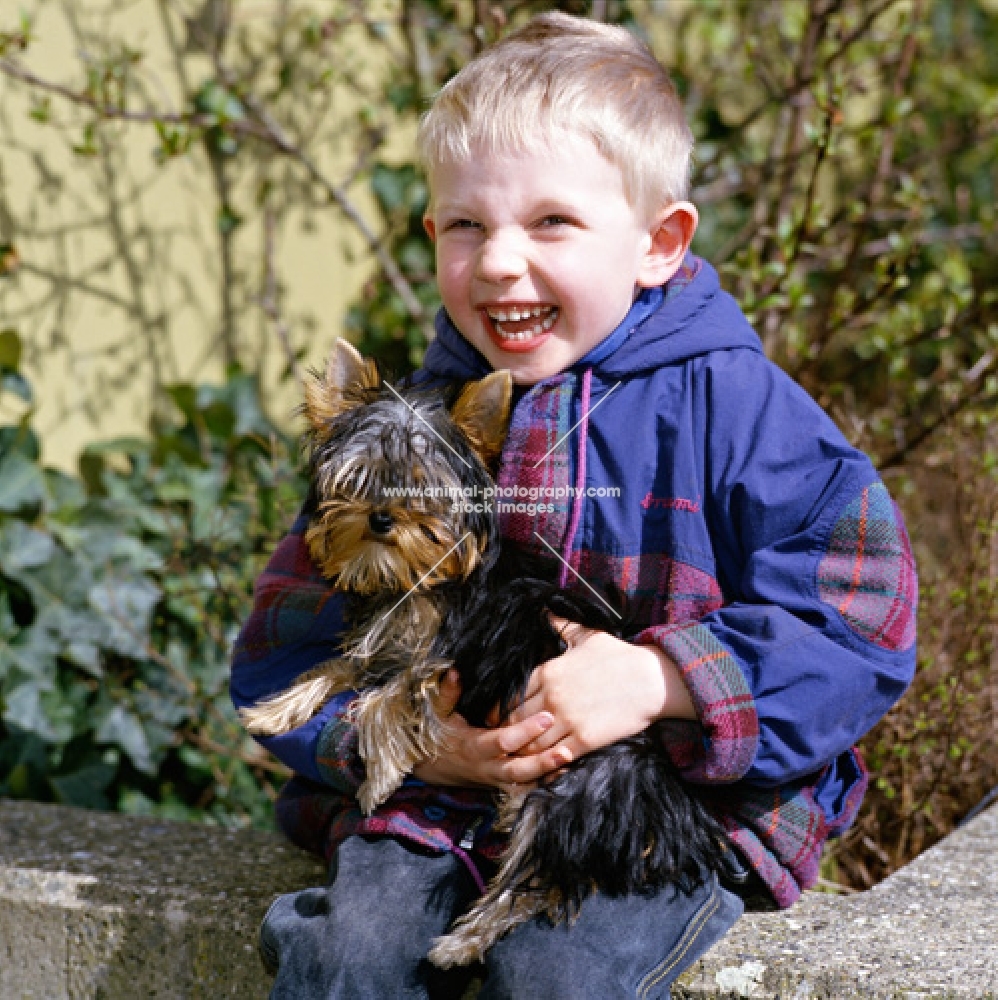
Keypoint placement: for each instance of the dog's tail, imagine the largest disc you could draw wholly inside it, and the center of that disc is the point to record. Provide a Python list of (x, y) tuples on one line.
[(287, 710)]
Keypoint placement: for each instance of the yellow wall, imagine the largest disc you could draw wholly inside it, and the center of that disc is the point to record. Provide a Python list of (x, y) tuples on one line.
[(119, 266)]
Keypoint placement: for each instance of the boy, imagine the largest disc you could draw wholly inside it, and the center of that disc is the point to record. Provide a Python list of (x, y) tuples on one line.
[(760, 550)]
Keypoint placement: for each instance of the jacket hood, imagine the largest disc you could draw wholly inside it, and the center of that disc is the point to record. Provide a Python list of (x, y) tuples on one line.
[(698, 319)]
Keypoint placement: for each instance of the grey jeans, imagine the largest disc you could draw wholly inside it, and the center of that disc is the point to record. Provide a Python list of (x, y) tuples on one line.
[(366, 935)]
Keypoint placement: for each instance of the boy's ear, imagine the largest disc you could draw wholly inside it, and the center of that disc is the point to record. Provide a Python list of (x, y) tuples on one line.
[(671, 234), (482, 413), (347, 377), (430, 226)]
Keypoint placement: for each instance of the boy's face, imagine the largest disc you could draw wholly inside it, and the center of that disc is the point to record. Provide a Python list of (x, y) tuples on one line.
[(540, 254)]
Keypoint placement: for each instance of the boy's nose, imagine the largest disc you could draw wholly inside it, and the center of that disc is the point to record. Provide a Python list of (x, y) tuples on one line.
[(501, 258)]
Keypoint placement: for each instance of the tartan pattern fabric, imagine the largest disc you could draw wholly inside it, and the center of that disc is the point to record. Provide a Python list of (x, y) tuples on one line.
[(337, 754), (724, 704), (433, 819), (288, 595), (537, 462), (658, 588), (781, 833), (318, 818), (437, 819), (868, 572), (305, 812), (688, 270)]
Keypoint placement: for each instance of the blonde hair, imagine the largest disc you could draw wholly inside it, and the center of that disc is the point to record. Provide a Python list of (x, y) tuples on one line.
[(567, 73)]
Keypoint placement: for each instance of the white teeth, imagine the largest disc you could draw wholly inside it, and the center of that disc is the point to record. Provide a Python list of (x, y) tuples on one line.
[(535, 331), (517, 313)]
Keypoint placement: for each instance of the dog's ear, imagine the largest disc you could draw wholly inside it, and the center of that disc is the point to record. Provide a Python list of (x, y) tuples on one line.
[(482, 413), (348, 376)]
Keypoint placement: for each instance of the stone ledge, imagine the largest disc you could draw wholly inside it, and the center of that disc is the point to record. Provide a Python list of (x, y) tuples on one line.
[(930, 930), (99, 905)]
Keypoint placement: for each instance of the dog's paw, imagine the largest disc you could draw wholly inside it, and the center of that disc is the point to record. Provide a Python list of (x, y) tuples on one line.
[(377, 788), (455, 949)]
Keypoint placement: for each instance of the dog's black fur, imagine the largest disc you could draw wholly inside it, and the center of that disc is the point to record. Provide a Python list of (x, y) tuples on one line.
[(617, 821)]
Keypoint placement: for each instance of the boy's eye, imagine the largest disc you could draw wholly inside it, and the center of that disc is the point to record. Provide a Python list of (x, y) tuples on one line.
[(555, 220), (462, 224)]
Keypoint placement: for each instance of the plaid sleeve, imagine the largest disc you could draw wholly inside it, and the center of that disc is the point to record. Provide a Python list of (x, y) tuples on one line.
[(868, 573), (729, 725), (296, 624), (337, 753), (288, 598)]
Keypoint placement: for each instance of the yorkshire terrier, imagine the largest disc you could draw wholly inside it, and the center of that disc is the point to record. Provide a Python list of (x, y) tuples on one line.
[(429, 587), (388, 471)]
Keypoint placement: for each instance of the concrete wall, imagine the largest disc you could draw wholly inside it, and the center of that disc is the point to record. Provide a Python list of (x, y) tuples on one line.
[(97, 905)]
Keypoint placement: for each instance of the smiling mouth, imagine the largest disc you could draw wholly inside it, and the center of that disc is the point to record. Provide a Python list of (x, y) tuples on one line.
[(520, 323)]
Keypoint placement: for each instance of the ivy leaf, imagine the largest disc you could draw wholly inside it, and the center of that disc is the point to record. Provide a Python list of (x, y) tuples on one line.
[(184, 396), (58, 586), (36, 708), (250, 418), (21, 483), (22, 547), (126, 605), (388, 185), (122, 728), (16, 384), (65, 491), (31, 651), (107, 546), (76, 635), (85, 787)]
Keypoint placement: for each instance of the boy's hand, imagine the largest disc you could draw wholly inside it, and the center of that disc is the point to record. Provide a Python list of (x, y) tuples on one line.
[(599, 691), (488, 757)]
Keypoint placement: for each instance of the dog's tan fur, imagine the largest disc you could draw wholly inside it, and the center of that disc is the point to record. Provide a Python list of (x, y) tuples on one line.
[(398, 725)]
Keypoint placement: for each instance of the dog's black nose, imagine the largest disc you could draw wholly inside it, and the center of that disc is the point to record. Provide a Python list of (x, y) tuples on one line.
[(380, 521)]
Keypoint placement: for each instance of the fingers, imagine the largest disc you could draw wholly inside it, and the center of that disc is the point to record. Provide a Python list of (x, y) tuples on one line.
[(449, 693), (493, 757), (511, 739), (532, 705), (571, 632), (535, 707), (527, 770), (516, 766), (559, 624)]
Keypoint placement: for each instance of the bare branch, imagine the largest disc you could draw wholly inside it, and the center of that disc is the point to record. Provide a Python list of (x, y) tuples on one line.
[(261, 126), (985, 366), (16, 71), (338, 195), (268, 300), (802, 80)]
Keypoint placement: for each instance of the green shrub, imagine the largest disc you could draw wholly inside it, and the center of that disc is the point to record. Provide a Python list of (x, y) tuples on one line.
[(121, 592)]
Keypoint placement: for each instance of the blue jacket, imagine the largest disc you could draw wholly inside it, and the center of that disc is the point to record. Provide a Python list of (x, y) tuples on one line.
[(760, 549)]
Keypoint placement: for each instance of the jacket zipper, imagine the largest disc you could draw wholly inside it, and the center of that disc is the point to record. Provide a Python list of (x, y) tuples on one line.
[(467, 841)]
